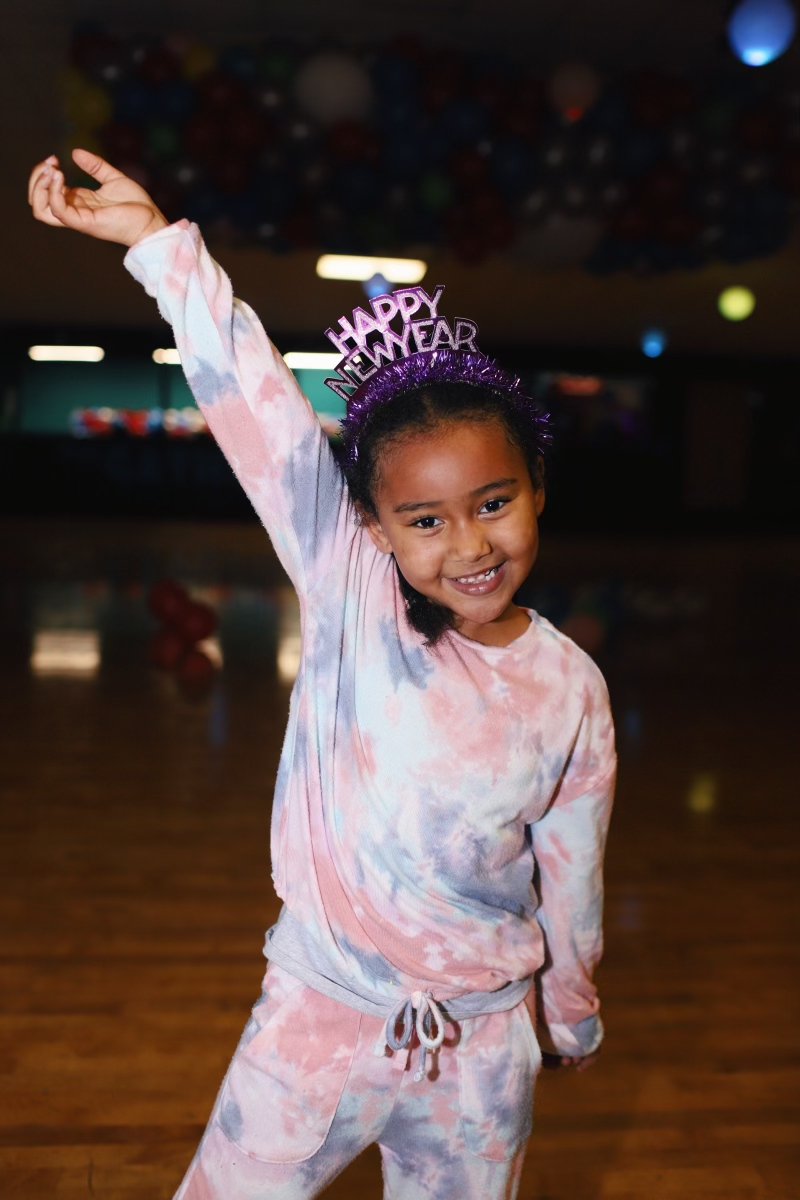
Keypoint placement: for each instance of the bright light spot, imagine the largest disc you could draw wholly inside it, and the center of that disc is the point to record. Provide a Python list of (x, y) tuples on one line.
[(702, 794), (361, 268), (169, 358), (653, 343), (211, 647), (66, 652), (736, 303), (579, 385), (311, 360), (289, 636), (66, 353), (760, 31)]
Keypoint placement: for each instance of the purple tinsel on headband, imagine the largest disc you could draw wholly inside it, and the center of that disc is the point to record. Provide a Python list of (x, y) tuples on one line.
[(436, 366)]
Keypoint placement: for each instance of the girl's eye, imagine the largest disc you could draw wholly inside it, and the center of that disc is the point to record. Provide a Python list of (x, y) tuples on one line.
[(426, 522), (493, 506)]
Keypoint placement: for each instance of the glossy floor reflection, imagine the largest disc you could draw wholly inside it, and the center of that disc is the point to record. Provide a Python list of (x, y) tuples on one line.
[(134, 876)]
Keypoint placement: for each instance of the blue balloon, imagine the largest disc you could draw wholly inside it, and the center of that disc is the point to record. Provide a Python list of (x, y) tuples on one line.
[(760, 30), (133, 102), (639, 152), (357, 187), (175, 101), (238, 61), (512, 167), (463, 121), (403, 155)]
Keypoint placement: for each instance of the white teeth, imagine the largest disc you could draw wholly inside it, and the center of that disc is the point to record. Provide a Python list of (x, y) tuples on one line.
[(478, 578)]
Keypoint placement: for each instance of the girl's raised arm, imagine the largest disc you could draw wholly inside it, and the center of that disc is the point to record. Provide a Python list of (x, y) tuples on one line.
[(250, 399)]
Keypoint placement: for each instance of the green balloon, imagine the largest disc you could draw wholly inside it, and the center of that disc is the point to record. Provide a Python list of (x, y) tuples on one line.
[(716, 118), (435, 192), (163, 141), (277, 65)]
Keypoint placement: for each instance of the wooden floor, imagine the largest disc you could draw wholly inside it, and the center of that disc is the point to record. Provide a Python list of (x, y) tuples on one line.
[(134, 880)]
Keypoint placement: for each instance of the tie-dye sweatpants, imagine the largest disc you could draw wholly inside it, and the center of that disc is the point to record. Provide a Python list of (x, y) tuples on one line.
[(306, 1093)]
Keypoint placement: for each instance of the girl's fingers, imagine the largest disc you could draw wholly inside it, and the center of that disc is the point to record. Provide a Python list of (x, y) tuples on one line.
[(64, 213), (96, 166)]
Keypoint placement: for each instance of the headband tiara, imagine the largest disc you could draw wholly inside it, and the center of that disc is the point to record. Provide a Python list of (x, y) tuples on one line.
[(379, 363)]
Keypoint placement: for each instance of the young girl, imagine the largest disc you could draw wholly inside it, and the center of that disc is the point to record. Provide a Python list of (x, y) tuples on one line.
[(446, 780)]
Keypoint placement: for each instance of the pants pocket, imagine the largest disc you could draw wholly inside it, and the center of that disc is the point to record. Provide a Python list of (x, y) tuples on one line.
[(286, 1079), (498, 1061)]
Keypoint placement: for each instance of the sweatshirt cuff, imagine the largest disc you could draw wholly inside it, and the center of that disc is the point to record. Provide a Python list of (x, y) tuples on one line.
[(571, 1041), (145, 260)]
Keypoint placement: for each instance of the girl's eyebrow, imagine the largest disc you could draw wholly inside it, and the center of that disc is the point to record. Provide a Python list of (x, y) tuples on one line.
[(413, 505)]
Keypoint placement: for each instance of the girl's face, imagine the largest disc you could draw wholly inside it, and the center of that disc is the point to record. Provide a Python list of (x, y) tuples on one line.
[(457, 508)]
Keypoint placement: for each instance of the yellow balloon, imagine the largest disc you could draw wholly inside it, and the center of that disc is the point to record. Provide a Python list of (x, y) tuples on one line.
[(198, 60), (85, 104), (736, 303)]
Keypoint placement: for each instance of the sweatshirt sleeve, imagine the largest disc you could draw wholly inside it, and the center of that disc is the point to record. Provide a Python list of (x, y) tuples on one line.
[(568, 845), (261, 420)]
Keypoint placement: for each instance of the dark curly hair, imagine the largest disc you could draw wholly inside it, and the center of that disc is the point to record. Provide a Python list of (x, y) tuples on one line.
[(420, 411)]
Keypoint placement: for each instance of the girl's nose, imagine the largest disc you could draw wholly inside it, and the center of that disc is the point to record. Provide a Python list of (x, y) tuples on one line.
[(471, 543)]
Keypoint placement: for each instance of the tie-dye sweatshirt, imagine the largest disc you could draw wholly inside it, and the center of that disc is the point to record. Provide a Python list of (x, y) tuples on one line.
[(439, 816)]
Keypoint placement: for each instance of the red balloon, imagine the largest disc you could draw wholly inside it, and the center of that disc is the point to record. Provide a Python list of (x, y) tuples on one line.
[(158, 66), (197, 621), (202, 136), (351, 141), (759, 128), (679, 228), (469, 168), (220, 93), (247, 130), (167, 601), (166, 649), (231, 172), (630, 224), (122, 143), (662, 188), (195, 674)]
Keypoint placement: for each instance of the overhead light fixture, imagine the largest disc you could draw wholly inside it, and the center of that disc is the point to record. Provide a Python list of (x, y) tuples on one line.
[(361, 267), (168, 358), (66, 353), (311, 360), (66, 652), (736, 303)]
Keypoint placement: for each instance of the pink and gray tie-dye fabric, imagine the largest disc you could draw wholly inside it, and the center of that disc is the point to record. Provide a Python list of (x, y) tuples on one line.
[(415, 789), (305, 1094)]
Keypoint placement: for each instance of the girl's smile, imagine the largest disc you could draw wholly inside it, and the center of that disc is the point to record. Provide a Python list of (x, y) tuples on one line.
[(470, 547)]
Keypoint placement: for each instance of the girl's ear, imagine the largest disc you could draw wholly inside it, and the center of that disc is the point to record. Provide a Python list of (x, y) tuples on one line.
[(538, 501), (375, 530)]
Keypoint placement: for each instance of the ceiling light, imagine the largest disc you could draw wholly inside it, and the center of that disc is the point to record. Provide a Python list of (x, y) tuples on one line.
[(361, 268), (311, 360), (170, 358), (66, 353), (66, 652), (736, 303)]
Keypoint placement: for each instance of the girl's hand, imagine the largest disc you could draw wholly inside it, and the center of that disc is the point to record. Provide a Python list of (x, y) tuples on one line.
[(118, 211), (552, 1062)]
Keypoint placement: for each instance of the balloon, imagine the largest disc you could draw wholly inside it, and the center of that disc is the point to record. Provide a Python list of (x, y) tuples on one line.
[(158, 66), (174, 101), (162, 141), (759, 128), (573, 90), (662, 188), (357, 187), (87, 104), (403, 155), (463, 121), (197, 62), (167, 601), (435, 192), (277, 65), (630, 224), (240, 62), (231, 172), (759, 31), (246, 130), (560, 241), (678, 228), (639, 151), (221, 93), (202, 136), (512, 166), (195, 674), (469, 169), (196, 622), (470, 248), (442, 80), (332, 86), (133, 101), (165, 649), (352, 141), (122, 143)]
